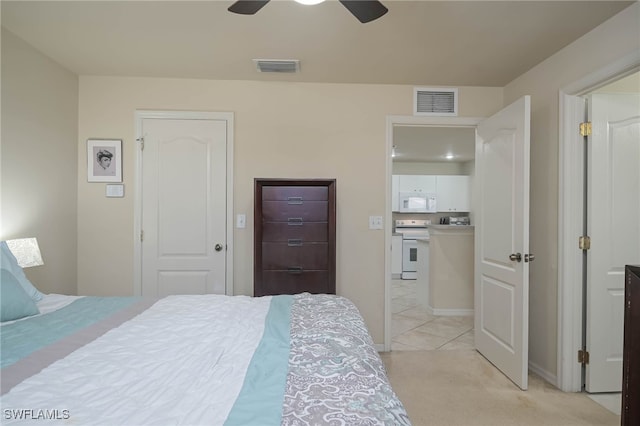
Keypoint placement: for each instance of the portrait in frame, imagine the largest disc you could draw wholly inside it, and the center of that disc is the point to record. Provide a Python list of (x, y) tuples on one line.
[(104, 160)]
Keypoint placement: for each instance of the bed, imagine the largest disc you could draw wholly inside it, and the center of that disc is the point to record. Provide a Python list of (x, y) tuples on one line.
[(190, 360)]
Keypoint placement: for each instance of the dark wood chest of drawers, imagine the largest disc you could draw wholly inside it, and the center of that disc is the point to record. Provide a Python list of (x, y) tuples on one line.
[(295, 236), (631, 352)]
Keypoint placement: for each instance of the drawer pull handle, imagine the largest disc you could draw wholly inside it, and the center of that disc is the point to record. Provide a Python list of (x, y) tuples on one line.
[(294, 200), (295, 221), (295, 269), (294, 242)]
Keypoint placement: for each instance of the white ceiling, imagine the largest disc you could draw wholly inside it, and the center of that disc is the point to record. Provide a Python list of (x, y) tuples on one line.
[(434, 43), (446, 43)]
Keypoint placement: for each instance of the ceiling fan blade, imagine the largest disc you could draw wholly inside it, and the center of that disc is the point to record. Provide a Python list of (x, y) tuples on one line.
[(247, 7), (365, 10)]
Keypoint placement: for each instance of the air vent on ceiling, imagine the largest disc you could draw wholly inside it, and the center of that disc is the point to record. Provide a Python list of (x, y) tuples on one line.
[(437, 102), (277, 65)]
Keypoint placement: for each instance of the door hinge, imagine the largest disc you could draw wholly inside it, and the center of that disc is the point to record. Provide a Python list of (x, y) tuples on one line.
[(585, 128), (141, 236), (141, 140), (584, 243), (583, 356)]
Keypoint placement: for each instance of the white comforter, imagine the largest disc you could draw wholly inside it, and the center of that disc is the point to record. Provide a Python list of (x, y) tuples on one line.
[(133, 365)]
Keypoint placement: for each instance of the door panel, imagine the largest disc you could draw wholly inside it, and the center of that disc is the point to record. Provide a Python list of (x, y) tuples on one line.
[(180, 229), (612, 223), (499, 170), (498, 323), (183, 206), (502, 229)]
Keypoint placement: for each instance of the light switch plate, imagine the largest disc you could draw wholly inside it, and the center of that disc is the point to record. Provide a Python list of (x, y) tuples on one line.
[(375, 222), (241, 221)]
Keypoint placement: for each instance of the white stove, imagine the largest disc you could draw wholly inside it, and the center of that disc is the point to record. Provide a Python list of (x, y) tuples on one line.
[(411, 230)]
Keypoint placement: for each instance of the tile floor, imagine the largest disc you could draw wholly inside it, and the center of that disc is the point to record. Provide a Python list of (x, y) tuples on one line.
[(415, 329)]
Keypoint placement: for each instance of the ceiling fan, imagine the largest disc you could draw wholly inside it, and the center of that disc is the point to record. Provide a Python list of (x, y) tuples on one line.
[(364, 10)]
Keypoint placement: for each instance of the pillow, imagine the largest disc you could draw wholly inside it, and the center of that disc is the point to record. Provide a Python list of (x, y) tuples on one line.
[(15, 303), (8, 261)]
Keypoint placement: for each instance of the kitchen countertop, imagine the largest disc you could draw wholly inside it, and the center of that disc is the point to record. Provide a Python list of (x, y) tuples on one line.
[(450, 229)]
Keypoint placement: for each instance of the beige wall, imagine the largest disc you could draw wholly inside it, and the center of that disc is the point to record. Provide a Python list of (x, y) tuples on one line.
[(281, 130), (613, 40), (39, 174)]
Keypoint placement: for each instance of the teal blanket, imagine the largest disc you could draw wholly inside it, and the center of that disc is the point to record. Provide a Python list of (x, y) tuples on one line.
[(22, 338), (262, 394)]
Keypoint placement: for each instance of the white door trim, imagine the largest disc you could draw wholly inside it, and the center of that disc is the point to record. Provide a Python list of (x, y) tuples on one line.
[(137, 220), (570, 200), (393, 120)]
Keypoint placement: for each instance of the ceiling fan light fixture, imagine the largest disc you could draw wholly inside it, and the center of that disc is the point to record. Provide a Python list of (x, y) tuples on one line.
[(364, 10)]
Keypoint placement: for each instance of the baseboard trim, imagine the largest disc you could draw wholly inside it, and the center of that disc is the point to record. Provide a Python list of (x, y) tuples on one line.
[(450, 312), (546, 375), (379, 347)]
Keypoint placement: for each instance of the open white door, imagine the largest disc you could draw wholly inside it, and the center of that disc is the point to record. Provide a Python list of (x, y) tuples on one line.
[(612, 223), (502, 240)]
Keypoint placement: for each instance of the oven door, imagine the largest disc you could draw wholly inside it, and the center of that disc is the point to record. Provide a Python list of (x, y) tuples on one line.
[(409, 259)]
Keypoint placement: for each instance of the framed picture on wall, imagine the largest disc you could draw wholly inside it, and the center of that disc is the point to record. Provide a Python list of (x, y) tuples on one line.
[(104, 160)]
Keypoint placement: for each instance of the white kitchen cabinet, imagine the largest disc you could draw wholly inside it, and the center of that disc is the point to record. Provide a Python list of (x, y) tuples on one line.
[(417, 183), (396, 256), (454, 193)]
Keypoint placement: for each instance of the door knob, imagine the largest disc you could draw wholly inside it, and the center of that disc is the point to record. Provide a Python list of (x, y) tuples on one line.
[(515, 257), (218, 247), (529, 258)]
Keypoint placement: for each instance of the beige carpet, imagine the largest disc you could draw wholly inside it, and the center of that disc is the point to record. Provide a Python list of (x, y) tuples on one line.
[(460, 387)]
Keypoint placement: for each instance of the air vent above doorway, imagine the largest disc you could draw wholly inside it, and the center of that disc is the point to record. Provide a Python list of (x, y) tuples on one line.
[(435, 101), (278, 65)]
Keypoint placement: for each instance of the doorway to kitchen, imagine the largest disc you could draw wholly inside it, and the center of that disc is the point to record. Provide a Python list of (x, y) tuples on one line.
[(424, 148), (499, 256)]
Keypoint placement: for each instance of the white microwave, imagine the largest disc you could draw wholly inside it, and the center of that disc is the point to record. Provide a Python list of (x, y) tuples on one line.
[(416, 202)]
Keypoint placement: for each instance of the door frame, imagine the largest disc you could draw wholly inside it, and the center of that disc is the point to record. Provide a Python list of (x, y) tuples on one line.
[(141, 115), (408, 120), (570, 204)]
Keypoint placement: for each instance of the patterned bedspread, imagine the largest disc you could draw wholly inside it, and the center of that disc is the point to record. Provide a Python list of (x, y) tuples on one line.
[(290, 360), (335, 375)]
